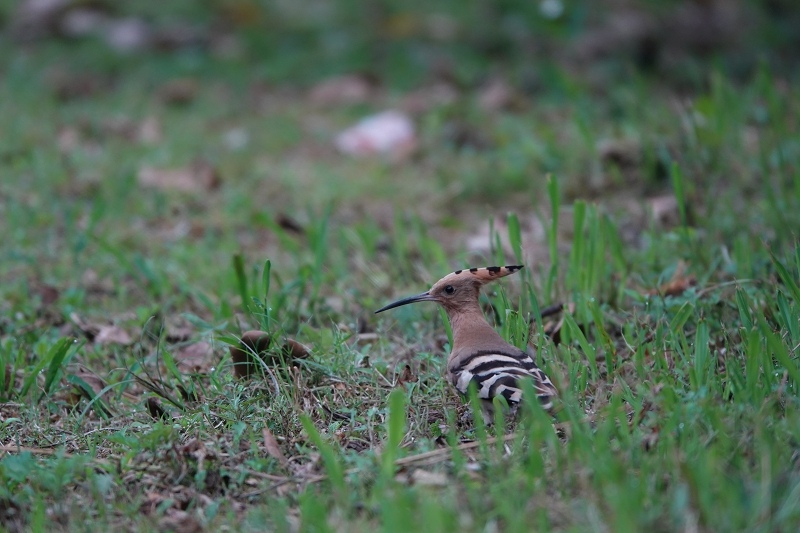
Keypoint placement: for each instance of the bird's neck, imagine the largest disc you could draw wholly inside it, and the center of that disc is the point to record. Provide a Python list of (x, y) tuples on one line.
[(471, 330)]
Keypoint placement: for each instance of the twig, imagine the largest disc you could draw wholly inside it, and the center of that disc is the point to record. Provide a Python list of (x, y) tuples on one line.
[(443, 453), (13, 448)]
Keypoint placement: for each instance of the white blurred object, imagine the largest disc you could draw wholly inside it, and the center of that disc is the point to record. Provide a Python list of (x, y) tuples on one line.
[(551, 9), (388, 133), (82, 23), (128, 34), (236, 139)]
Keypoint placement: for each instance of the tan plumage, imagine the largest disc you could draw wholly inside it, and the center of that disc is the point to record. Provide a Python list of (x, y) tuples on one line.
[(480, 355)]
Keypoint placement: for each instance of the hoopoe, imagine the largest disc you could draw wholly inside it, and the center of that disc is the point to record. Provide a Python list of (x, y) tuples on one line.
[(479, 354)]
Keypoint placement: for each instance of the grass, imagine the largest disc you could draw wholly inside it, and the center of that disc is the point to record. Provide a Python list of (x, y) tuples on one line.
[(676, 358)]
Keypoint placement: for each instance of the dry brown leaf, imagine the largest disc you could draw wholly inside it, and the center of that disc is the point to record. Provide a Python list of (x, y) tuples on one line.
[(407, 376), (180, 332), (48, 294), (664, 210), (68, 139), (627, 29), (146, 131), (624, 153), (462, 134), (102, 333), (180, 91), (498, 95), (342, 90), (111, 334), (430, 97), (178, 34), (149, 131), (89, 137), (197, 357), (197, 177), (14, 448), (94, 284), (177, 521), (678, 284), (152, 500), (68, 85), (272, 448), (242, 14), (195, 448)]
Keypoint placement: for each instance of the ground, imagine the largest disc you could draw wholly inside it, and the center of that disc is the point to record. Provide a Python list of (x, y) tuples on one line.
[(159, 201)]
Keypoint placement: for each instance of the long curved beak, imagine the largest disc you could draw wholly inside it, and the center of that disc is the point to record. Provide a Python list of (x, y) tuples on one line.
[(424, 297)]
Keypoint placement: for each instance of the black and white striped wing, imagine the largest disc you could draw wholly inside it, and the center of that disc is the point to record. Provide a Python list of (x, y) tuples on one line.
[(496, 373)]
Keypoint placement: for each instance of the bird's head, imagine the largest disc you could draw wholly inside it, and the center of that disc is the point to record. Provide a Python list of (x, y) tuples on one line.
[(459, 289)]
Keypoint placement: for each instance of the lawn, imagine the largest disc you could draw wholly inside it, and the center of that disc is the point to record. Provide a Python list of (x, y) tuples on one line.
[(157, 203)]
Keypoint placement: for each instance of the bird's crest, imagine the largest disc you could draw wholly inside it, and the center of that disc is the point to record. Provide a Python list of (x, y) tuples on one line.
[(482, 275)]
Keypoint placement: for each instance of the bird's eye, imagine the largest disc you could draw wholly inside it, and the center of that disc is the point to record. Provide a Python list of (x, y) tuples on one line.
[(449, 289)]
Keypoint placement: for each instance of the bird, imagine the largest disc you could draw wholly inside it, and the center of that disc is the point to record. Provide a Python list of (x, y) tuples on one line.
[(479, 354)]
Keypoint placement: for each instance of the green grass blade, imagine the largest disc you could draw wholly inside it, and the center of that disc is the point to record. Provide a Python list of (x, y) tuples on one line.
[(595, 253), (552, 234), (788, 317), (586, 346), (788, 280), (743, 306), (57, 356), (241, 281), (169, 363), (265, 281), (576, 272), (780, 352), (57, 351), (330, 458), (320, 244), (702, 354), (94, 397), (608, 343), (536, 310), (481, 433), (447, 327), (680, 194), (515, 236), (396, 427), (681, 317)]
